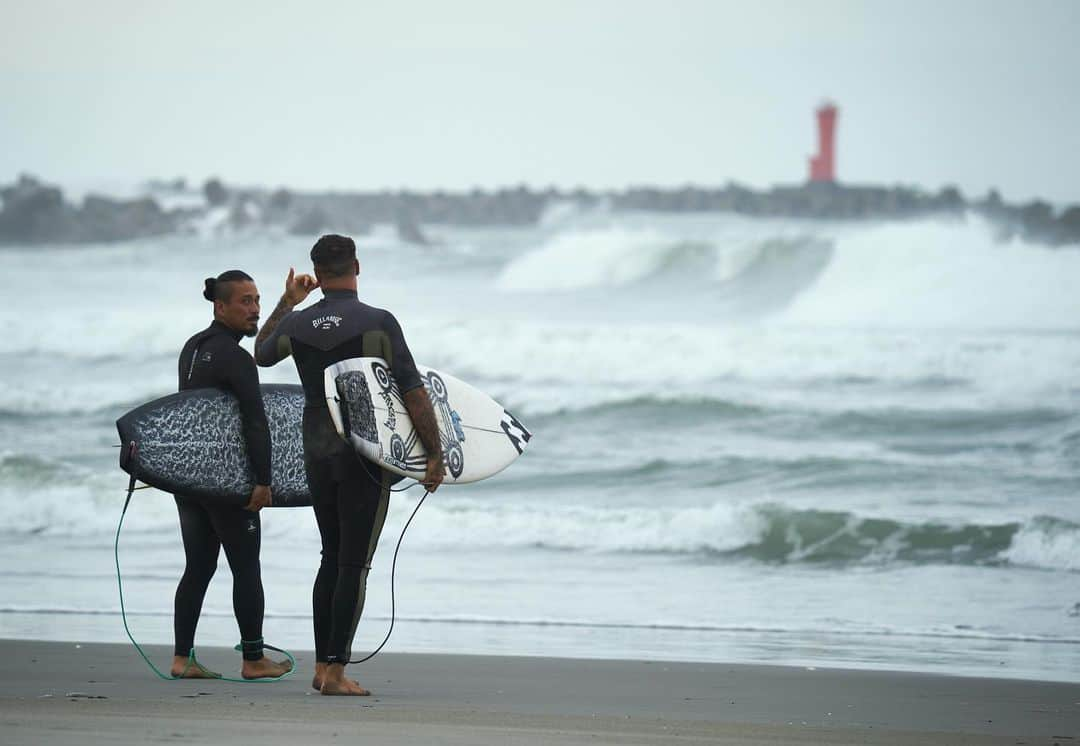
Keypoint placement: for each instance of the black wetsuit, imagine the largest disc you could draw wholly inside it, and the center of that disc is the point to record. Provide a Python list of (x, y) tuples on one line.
[(213, 358), (350, 495)]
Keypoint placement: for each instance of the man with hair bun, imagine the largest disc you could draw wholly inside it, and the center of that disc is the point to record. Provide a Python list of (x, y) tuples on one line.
[(213, 358), (350, 494)]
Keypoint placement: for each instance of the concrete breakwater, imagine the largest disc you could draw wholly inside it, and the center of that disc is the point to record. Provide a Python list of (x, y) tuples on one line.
[(35, 212)]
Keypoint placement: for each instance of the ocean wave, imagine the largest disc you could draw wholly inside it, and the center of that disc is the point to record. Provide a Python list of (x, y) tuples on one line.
[(91, 392), (644, 407), (941, 274), (29, 469), (1045, 542), (943, 421), (542, 365), (125, 332), (767, 532), (32, 407), (609, 257), (735, 274), (41, 497), (922, 274), (52, 498), (690, 407)]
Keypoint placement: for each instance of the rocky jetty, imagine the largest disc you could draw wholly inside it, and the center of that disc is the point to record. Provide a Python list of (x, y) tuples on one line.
[(33, 212)]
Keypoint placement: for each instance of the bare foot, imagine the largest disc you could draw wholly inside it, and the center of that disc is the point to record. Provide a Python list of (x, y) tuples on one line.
[(346, 687), (183, 668), (334, 682), (320, 674), (264, 668)]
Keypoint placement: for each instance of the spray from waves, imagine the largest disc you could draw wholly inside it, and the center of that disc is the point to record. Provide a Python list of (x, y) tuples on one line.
[(934, 274), (604, 258), (926, 274), (1045, 542), (753, 274), (568, 213), (777, 271)]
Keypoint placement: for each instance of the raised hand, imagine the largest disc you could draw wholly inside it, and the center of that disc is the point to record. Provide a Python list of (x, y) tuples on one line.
[(298, 287)]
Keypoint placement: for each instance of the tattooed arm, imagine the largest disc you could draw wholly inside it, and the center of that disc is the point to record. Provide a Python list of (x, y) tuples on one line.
[(270, 347), (422, 415), (417, 402)]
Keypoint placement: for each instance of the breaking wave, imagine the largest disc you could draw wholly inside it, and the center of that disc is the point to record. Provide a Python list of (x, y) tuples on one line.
[(938, 274), (604, 258), (768, 533)]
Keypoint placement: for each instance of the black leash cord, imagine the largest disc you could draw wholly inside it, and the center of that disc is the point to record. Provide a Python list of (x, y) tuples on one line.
[(393, 571)]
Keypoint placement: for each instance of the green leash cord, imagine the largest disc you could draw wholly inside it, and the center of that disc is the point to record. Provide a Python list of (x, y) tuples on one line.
[(192, 661)]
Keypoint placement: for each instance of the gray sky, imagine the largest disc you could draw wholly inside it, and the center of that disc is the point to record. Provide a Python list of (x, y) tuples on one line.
[(602, 94)]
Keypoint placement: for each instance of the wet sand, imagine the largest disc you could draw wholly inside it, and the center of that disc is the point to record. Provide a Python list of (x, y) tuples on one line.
[(59, 693)]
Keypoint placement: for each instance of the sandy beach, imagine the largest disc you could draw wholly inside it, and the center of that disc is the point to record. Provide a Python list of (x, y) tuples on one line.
[(56, 692)]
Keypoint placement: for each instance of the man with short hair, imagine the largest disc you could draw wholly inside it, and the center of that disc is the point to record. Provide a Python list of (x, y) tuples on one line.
[(349, 494)]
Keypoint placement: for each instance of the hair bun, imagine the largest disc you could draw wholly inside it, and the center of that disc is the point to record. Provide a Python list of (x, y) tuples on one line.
[(208, 291)]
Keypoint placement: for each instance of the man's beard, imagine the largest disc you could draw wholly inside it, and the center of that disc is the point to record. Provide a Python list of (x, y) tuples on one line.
[(253, 331)]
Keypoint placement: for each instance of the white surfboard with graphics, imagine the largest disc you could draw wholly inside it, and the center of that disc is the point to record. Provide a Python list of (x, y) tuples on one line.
[(479, 437)]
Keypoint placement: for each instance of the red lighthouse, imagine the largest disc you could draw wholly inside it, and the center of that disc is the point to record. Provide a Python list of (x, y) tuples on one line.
[(823, 165)]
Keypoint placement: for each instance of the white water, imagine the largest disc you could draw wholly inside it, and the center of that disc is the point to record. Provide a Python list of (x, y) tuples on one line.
[(821, 443)]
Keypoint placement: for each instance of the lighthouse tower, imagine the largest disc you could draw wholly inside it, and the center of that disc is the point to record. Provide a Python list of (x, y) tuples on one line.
[(823, 165)]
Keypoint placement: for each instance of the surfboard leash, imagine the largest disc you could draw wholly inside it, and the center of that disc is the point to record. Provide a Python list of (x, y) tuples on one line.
[(393, 573), (192, 660)]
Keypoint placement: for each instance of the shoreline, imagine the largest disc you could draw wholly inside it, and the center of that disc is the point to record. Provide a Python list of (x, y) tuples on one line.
[(51, 692), (729, 655)]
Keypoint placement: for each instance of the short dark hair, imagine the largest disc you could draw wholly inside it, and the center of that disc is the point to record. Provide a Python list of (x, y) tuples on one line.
[(221, 287), (334, 255)]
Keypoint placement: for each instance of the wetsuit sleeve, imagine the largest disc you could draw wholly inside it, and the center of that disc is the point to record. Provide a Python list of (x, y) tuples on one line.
[(278, 345), (184, 366), (404, 368), (242, 377)]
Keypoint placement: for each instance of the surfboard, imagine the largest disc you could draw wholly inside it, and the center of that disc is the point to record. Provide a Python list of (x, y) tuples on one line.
[(191, 443), (479, 436)]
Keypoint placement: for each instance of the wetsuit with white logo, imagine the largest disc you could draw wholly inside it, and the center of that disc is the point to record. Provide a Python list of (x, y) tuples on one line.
[(349, 494), (213, 358)]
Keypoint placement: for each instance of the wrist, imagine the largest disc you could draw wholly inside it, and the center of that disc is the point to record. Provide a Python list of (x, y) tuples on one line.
[(285, 302)]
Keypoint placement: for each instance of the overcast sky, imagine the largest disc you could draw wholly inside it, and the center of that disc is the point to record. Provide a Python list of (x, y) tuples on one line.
[(601, 94)]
